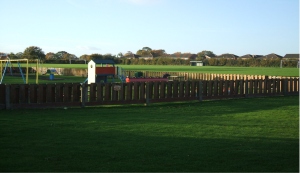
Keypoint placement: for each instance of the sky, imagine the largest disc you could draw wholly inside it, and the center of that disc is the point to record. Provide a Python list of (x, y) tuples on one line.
[(79, 27)]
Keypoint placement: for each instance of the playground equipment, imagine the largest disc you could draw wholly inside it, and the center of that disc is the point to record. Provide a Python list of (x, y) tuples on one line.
[(165, 77), (51, 71), (100, 70), (97, 73), (8, 63), (139, 78), (148, 79)]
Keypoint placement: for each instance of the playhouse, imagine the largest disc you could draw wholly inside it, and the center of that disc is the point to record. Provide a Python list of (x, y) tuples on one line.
[(100, 70)]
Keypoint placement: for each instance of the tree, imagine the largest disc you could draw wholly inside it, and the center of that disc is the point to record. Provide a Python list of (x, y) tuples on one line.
[(50, 55), (120, 55), (12, 56), (96, 56), (202, 55), (71, 57), (108, 56), (85, 57), (62, 55), (129, 54), (159, 52), (34, 52), (147, 49), (19, 55)]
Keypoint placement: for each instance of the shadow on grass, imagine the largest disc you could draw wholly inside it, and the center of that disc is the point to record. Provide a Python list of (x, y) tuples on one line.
[(115, 151), (107, 139)]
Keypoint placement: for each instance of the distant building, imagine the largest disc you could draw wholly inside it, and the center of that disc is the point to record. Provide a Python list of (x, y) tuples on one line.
[(271, 56), (148, 56), (131, 56), (227, 56), (249, 56), (3, 56), (185, 56), (291, 57)]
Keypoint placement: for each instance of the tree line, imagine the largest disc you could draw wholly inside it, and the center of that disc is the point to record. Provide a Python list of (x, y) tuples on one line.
[(155, 57)]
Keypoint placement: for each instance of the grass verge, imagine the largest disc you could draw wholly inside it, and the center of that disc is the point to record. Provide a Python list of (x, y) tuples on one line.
[(245, 135)]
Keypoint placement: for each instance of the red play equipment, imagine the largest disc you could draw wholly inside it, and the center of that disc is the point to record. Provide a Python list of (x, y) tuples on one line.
[(148, 79), (145, 79)]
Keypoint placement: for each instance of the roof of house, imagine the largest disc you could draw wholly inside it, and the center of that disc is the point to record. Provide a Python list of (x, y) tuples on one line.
[(292, 56), (183, 55), (146, 56), (103, 61), (250, 56), (227, 55), (272, 55), (246, 56)]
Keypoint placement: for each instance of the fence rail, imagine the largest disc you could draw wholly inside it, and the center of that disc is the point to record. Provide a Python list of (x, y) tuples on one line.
[(15, 96), (203, 76), (185, 75)]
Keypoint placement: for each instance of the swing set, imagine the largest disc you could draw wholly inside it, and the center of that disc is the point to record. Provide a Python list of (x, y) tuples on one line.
[(7, 63)]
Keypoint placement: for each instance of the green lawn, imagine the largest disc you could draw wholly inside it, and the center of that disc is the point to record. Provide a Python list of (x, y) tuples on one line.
[(272, 71), (245, 135), (291, 72), (43, 79)]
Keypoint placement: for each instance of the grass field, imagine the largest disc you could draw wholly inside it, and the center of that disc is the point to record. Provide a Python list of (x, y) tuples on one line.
[(291, 72), (272, 71), (245, 135), (43, 79)]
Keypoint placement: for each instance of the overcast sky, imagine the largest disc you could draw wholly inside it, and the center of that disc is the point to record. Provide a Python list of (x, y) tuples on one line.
[(112, 26)]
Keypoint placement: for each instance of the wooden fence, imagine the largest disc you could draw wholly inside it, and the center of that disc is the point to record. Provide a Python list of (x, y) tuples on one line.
[(15, 96), (184, 75), (203, 76)]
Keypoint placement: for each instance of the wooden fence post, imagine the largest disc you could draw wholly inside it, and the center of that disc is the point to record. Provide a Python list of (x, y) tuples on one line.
[(200, 91), (285, 86), (7, 97), (246, 88), (83, 95), (147, 94)]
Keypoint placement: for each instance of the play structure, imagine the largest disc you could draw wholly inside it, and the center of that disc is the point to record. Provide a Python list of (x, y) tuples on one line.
[(7, 62), (100, 70), (139, 78), (52, 71)]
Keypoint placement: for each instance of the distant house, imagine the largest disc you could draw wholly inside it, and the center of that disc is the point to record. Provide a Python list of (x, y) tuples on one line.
[(208, 57), (271, 56), (148, 56), (291, 57), (131, 56), (3, 56), (249, 56), (227, 56), (185, 56)]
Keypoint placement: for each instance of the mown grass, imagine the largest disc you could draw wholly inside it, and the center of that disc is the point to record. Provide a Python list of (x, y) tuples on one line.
[(43, 79), (245, 135), (291, 72), (272, 71)]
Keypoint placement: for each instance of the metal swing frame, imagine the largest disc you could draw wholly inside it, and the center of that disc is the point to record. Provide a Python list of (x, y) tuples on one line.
[(7, 62)]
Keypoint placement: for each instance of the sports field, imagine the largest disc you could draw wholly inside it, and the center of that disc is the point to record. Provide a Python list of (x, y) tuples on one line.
[(291, 72), (272, 71), (245, 135)]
